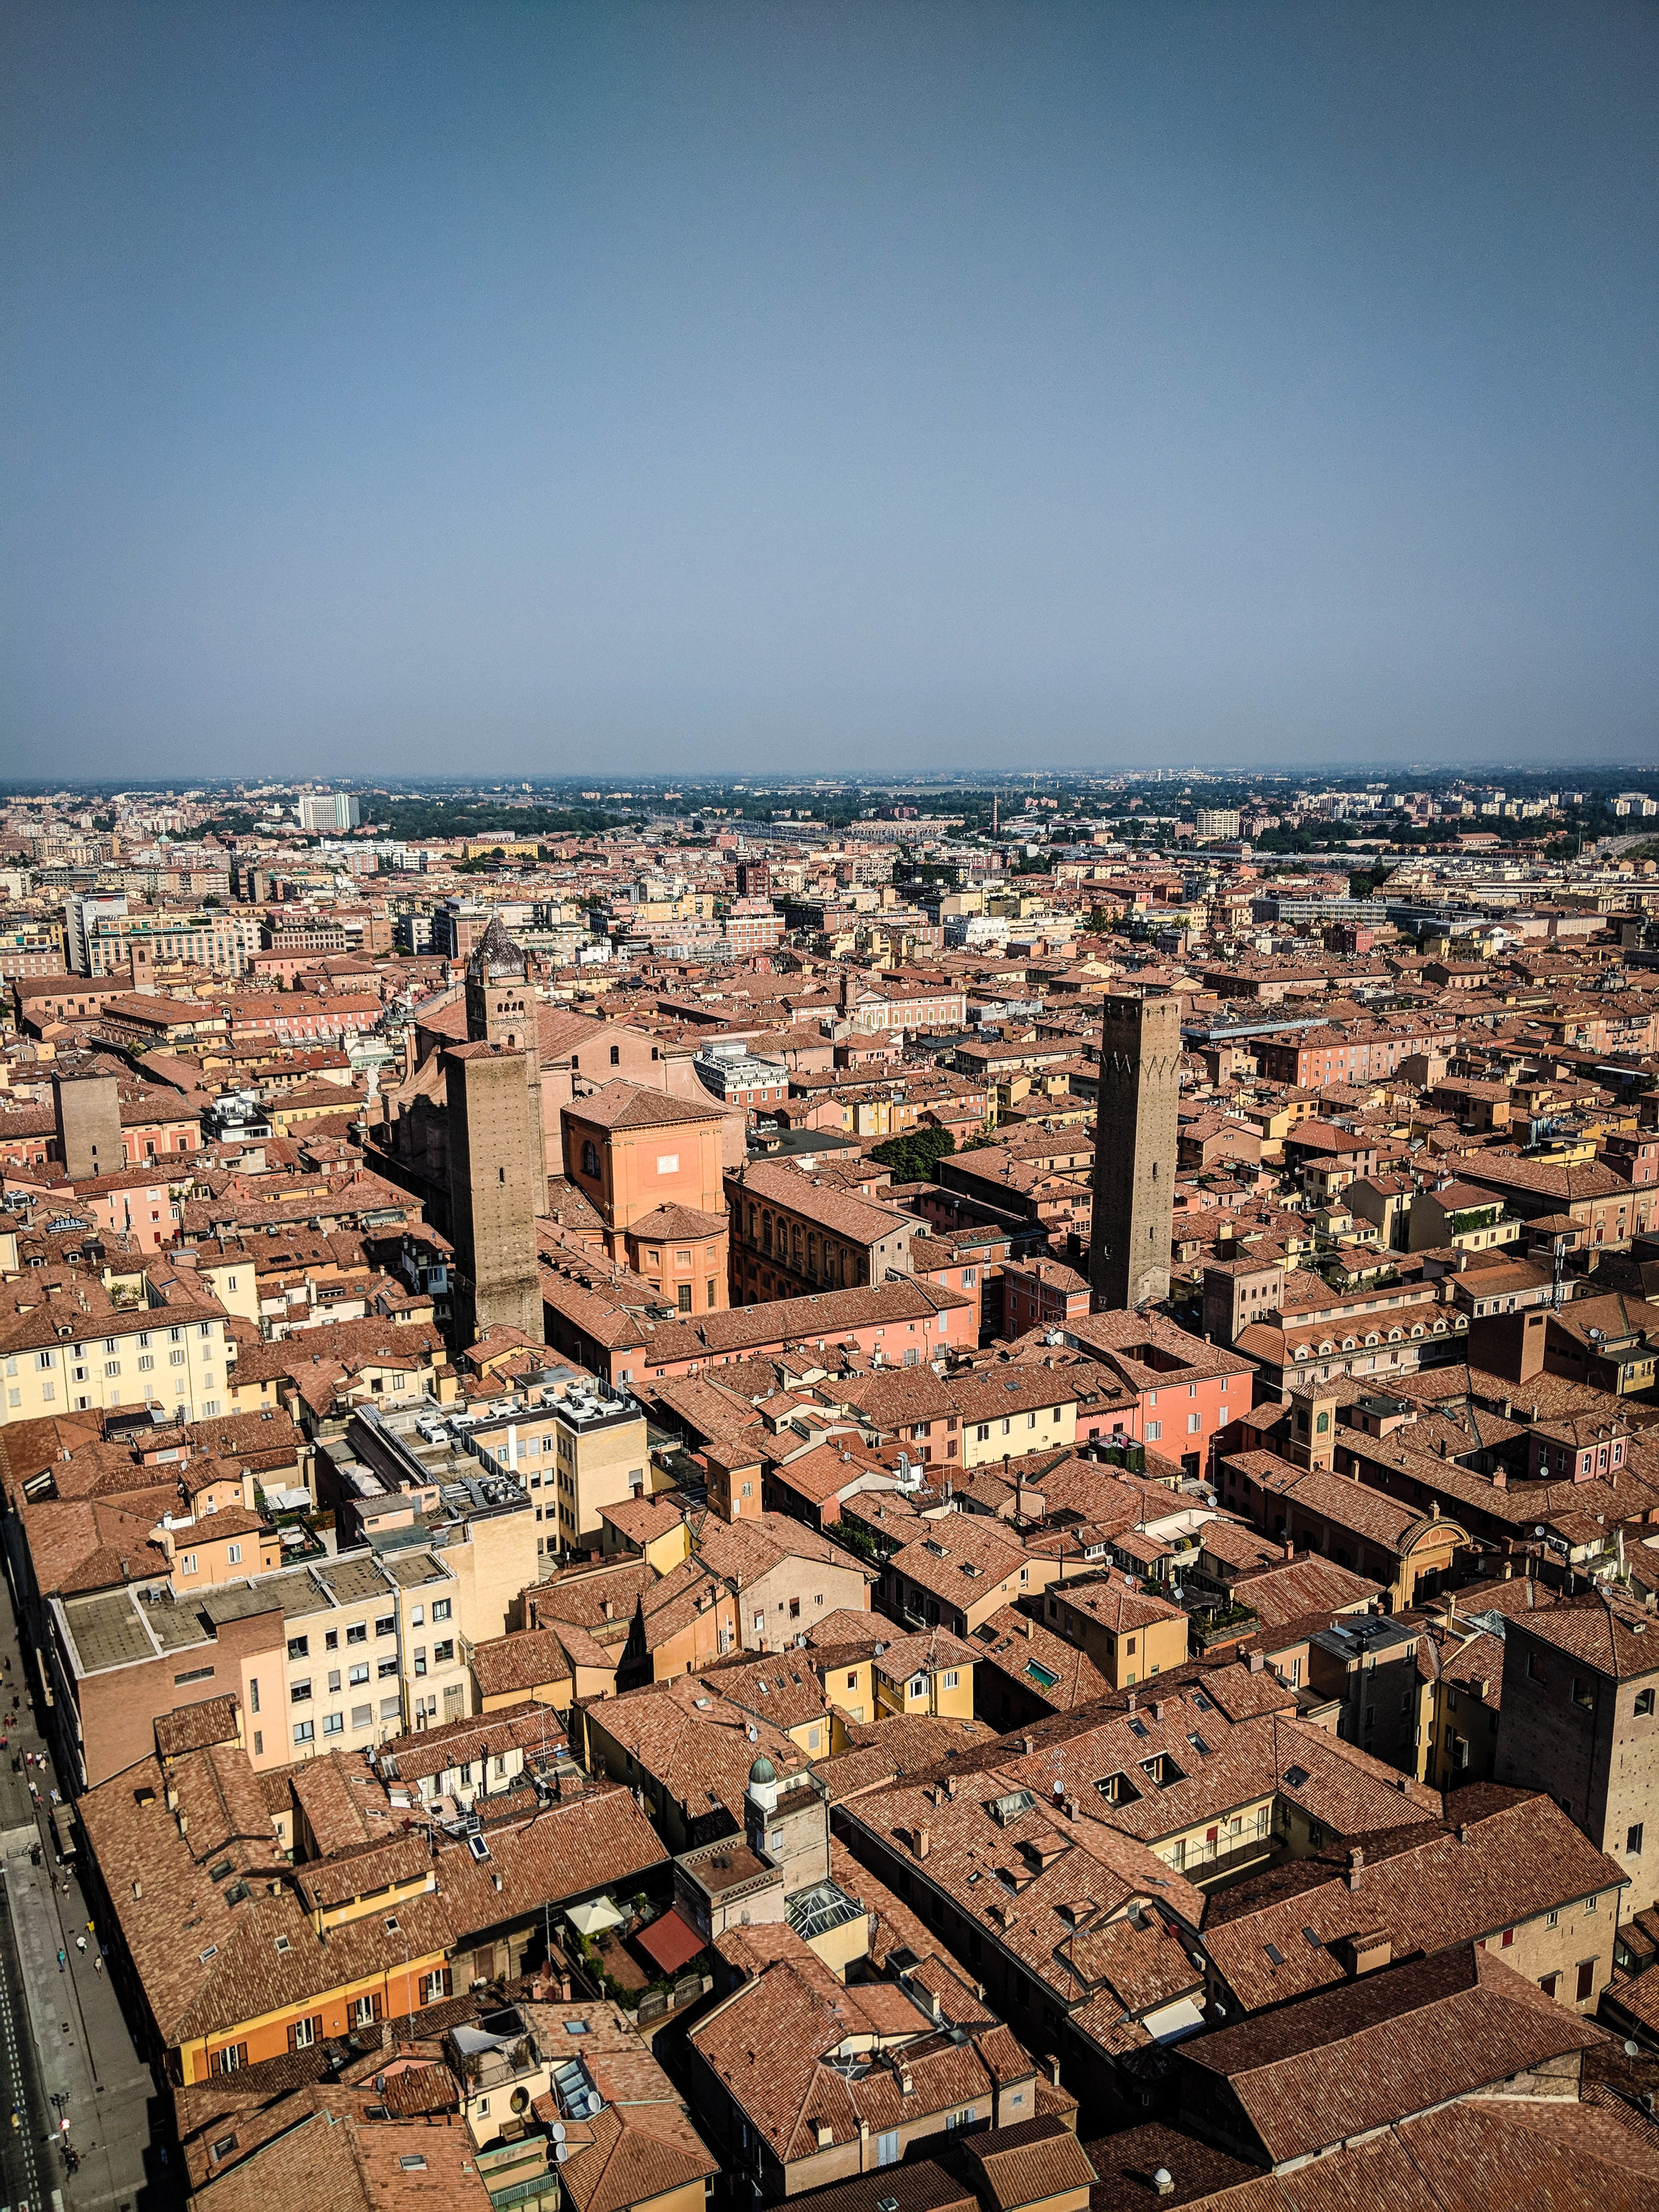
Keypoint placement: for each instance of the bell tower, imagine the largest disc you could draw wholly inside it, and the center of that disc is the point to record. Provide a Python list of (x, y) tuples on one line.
[(501, 1010), (497, 1161)]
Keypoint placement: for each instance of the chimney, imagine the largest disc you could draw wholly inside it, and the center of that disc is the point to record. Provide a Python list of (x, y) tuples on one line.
[(137, 1889), (1130, 1705), (1462, 1832), (1026, 1746), (1164, 2181), (920, 1844), (1157, 1708), (1290, 1554), (1364, 1952), (1356, 1862), (1053, 2071), (1257, 1662)]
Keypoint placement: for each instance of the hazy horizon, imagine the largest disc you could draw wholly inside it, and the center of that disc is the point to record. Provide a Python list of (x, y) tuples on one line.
[(727, 390)]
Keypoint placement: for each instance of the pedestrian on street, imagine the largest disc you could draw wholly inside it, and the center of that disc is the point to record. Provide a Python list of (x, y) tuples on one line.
[(80, 1941), (62, 1957), (97, 1965)]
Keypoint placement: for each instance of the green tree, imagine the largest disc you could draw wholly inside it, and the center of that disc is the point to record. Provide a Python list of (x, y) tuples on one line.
[(914, 1156)]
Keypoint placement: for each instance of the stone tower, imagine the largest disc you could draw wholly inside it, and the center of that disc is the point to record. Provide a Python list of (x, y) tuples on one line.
[(497, 1164), (87, 1109), (1135, 1151)]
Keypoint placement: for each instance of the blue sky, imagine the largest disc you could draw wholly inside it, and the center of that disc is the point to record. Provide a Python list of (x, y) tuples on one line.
[(556, 388)]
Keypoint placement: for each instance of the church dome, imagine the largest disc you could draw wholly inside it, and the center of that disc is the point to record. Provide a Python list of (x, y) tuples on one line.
[(762, 1771)]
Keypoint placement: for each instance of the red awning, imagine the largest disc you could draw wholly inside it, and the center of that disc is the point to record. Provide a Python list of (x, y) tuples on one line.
[(670, 1942)]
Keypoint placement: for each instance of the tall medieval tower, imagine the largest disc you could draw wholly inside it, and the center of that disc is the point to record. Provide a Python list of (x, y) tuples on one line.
[(1135, 1152), (497, 1161)]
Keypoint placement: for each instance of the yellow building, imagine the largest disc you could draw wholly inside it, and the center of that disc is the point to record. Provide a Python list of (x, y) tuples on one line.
[(1008, 1411), (1129, 1633), (76, 1351), (930, 1673)]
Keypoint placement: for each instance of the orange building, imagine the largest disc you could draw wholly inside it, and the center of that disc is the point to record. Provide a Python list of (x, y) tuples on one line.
[(650, 1165)]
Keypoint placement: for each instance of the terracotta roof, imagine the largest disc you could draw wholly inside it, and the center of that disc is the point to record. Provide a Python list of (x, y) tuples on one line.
[(1384, 2048), (1502, 1857), (1022, 2165), (624, 1105), (1615, 1637)]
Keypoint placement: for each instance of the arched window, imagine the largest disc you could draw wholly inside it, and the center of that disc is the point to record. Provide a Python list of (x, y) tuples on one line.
[(589, 1157)]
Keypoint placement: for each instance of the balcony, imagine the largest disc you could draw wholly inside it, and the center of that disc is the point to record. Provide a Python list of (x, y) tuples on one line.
[(1212, 1622)]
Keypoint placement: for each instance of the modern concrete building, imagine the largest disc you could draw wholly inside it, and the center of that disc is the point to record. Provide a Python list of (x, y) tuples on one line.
[(329, 810)]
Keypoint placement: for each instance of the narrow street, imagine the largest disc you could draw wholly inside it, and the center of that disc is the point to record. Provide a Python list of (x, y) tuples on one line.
[(67, 2054)]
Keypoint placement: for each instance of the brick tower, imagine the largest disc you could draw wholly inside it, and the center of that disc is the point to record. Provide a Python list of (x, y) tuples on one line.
[(497, 1162), (1135, 1152), (500, 1009)]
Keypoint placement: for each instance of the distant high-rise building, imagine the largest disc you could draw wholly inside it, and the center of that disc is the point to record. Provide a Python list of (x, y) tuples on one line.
[(323, 811), (497, 1162), (1135, 1134), (1217, 822), (82, 911)]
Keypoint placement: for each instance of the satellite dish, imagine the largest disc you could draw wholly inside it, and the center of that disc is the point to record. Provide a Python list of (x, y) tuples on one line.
[(558, 2131), (560, 2151), (1632, 2051)]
